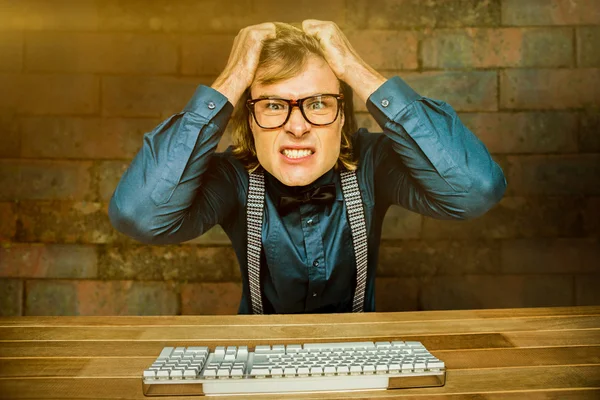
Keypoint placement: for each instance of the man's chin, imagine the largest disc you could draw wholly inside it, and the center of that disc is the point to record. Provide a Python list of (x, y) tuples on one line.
[(297, 178)]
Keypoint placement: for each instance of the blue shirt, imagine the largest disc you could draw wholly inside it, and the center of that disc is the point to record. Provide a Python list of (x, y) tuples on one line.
[(178, 187)]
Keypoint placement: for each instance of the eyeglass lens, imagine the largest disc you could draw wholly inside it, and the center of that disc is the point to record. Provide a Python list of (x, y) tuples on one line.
[(318, 110)]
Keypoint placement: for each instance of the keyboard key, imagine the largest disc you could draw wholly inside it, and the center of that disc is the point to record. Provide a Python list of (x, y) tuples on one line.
[(165, 353), (293, 348), (210, 373), (149, 374), (242, 354), (343, 370), (262, 349), (407, 367), (435, 365), (237, 373), (329, 370), (277, 371), (190, 374), (316, 370), (259, 372), (381, 368)]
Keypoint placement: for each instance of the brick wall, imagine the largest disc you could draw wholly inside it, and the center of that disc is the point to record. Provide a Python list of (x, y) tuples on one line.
[(82, 80)]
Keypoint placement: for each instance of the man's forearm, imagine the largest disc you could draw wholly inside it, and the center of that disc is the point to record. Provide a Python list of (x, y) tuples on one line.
[(449, 163), (160, 184)]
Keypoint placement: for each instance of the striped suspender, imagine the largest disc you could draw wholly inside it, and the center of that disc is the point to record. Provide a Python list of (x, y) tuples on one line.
[(358, 227), (256, 203)]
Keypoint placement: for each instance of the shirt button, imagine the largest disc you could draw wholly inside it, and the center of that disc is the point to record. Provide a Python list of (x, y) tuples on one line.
[(211, 105), (314, 294), (316, 263), (385, 102), (309, 222)]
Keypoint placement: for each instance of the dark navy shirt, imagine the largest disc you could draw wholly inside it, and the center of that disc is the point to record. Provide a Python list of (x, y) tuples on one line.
[(178, 187)]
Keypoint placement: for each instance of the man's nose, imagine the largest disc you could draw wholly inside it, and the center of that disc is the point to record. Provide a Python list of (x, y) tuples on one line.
[(296, 124)]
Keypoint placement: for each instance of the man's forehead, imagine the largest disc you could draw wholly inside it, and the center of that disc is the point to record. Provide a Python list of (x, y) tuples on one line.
[(316, 77)]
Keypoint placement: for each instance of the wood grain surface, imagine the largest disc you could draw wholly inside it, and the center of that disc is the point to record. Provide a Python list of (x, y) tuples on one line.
[(536, 353)]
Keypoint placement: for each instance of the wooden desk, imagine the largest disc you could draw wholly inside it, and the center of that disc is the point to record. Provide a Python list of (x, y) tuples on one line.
[(537, 353)]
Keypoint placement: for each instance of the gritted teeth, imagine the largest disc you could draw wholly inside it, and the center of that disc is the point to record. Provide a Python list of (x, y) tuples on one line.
[(294, 153)]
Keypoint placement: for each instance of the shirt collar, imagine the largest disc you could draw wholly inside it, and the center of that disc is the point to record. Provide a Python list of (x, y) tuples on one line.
[(277, 188)]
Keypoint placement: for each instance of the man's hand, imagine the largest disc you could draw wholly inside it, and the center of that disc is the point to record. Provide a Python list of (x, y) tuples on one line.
[(243, 61), (343, 59)]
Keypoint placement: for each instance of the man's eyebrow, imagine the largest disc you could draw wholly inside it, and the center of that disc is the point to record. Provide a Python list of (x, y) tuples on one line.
[(267, 95)]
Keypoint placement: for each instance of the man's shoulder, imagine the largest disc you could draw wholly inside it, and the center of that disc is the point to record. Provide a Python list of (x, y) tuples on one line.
[(364, 142), (226, 162)]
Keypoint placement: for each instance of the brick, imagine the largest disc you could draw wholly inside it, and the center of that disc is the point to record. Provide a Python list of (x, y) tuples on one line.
[(8, 218), (553, 174), (550, 256), (415, 258), (44, 180), (589, 126), (515, 217), (70, 15), (11, 301), (149, 298), (549, 89), (402, 14), (48, 261), (146, 96), (504, 47), (588, 42), (11, 51), (509, 291), (102, 52), (48, 297), (296, 11), (586, 290), (108, 175), (183, 263), (591, 216), (205, 54), (393, 295), (182, 15), (210, 298), (83, 137), (10, 138), (126, 298), (386, 50), (44, 297), (66, 222), (50, 94), (463, 90), (550, 12), (214, 236), (525, 132), (400, 223)]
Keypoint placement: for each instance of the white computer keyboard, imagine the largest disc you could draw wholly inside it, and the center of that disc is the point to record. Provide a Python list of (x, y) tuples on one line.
[(292, 368)]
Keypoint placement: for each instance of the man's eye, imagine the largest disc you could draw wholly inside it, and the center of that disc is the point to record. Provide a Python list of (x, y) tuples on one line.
[(274, 106), (316, 105)]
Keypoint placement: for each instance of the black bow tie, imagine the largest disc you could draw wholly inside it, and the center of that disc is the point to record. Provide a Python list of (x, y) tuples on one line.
[(321, 195)]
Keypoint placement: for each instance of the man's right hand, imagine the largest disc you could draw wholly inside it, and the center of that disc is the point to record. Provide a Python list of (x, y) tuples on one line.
[(243, 61)]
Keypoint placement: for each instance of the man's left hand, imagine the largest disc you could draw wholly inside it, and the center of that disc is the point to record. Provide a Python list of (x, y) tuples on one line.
[(343, 59)]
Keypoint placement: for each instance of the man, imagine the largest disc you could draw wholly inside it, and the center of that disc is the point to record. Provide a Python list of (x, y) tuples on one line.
[(301, 195)]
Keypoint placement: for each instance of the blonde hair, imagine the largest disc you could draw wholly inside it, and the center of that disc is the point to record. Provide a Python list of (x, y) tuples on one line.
[(283, 58)]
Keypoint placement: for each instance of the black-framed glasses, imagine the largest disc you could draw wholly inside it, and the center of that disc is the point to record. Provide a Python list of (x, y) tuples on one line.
[(274, 112)]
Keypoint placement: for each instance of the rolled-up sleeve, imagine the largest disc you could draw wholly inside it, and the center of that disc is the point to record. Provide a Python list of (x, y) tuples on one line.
[(428, 161)]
